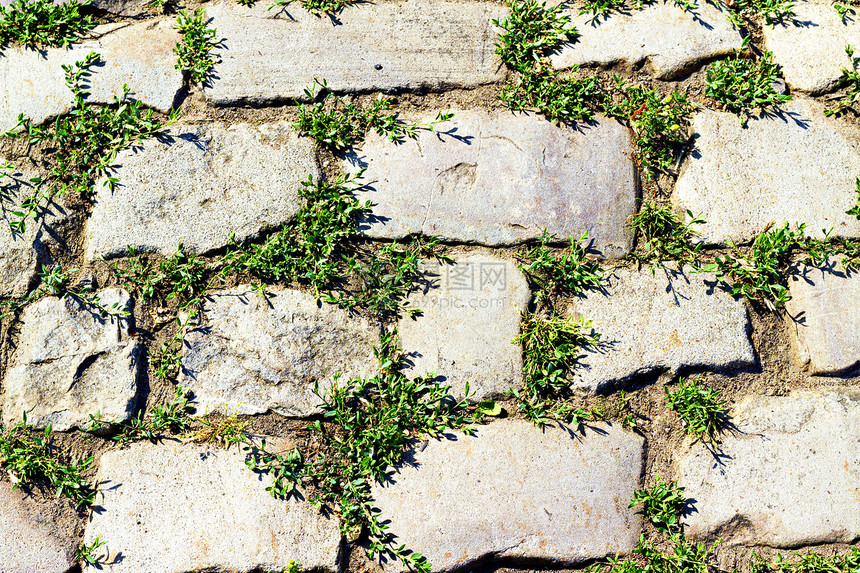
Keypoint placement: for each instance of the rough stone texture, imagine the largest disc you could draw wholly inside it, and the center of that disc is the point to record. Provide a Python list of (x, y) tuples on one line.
[(787, 477), (170, 509), (29, 540), (70, 362), (697, 36), (253, 355), (499, 178), (140, 55), (492, 490), (199, 184), (651, 322), (20, 254), (797, 166), (471, 314), (826, 319), (274, 55), (811, 47)]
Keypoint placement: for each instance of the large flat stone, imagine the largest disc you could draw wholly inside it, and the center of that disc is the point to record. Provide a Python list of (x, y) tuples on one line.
[(797, 166), (198, 184), (471, 314), (30, 541), (657, 322), (825, 318), (788, 477), (168, 508), (70, 362), (810, 48), (514, 491), (639, 37), (269, 56), (253, 354), (140, 55), (499, 178)]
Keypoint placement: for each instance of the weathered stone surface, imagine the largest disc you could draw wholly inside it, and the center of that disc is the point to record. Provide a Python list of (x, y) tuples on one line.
[(651, 322), (70, 362), (826, 318), (493, 490), (140, 55), (253, 354), (499, 178), (199, 184), (797, 166), (20, 254), (471, 314), (168, 508), (29, 539), (788, 476), (274, 55), (810, 47), (698, 35)]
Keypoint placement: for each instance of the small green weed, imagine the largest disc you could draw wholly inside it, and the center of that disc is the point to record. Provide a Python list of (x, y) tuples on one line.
[(86, 141), (850, 79), (739, 12), (310, 250), (43, 23), (657, 124), (551, 348), (366, 425), (195, 46), (570, 272), (226, 429), (743, 85), (855, 210), (602, 8), (85, 553), (846, 10), (336, 124), (172, 416), (317, 7), (666, 237), (167, 360), (757, 274), (29, 459), (808, 563), (662, 504), (700, 408), (530, 32)]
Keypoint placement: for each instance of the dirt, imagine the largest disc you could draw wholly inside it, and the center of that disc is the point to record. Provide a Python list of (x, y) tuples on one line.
[(777, 372)]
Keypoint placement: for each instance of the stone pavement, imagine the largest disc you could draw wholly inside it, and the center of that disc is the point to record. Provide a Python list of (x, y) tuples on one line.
[(488, 183)]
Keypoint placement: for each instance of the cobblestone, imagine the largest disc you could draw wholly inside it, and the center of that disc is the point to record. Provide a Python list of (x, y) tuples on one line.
[(198, 184), (269, 56), (255, 354), (662, 321), (491, 489), (781, 476), (639, 37), (498, 178)]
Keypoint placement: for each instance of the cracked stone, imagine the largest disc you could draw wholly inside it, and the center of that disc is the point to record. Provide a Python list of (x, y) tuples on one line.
[(698, 36), (810, 48), (141, 55), (71, 362), (740, 179), (196, 185), (786, 477), (30, 542), (253, 355), (499, 178), (414, 44), (491, 489), (175, 508), (471, 314), (825, 319), (666, 321)]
